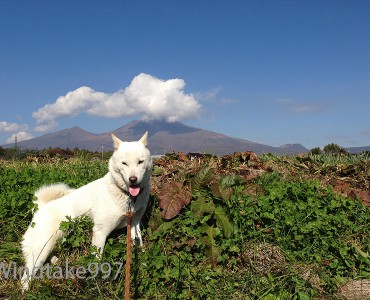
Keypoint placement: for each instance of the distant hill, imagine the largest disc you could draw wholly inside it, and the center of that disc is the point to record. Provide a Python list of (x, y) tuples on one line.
[(358, 149), (163, 137)]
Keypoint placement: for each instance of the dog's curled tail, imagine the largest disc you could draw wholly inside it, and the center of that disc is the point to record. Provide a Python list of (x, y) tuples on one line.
[(51, 192)]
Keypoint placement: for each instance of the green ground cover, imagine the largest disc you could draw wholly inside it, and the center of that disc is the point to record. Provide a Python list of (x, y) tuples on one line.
[(235, 227)]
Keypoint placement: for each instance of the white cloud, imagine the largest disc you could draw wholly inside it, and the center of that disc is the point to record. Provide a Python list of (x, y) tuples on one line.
[(209, 96), (300, 107), (212, 96), (21, 136), (11, 127), (148, 96)]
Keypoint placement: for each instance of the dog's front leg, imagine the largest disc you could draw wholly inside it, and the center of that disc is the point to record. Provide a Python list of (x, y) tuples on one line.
[(136, 235), (135, 227), (98, 239)]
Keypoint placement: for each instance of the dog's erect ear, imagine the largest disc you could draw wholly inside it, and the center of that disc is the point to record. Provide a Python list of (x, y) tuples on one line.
[(116, 141), (144, 139)]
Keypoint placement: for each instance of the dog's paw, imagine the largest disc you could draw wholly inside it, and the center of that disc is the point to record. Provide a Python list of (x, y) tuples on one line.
[(137, 241), (25, 283), (139, 244), (54, 260)]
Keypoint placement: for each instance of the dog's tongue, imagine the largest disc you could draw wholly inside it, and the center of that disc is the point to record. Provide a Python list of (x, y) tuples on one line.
[(134, 190)]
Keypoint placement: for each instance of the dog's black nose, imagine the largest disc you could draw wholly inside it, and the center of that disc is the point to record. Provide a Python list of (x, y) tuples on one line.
[(132, 179)]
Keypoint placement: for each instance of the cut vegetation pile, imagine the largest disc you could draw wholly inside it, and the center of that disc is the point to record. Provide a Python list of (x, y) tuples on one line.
[(236, 227)]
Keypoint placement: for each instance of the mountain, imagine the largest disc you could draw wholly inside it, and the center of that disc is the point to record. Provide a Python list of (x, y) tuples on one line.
[(163, 137), (358, 149)]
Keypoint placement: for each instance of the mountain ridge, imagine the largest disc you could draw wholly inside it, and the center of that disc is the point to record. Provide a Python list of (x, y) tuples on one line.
[(163, 137)]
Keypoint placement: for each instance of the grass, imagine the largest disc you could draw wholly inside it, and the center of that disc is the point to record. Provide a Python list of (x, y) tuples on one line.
[(247, 228)]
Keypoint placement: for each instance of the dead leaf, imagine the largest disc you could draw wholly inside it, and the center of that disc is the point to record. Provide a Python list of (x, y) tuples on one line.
[(182, 156), (362, 195), (172, 198)]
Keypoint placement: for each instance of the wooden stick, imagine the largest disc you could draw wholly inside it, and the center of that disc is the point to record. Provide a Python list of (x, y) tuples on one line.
[(128, 255)]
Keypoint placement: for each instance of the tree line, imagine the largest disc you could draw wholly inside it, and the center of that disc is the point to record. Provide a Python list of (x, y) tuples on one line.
[(17, 153), (12, 153)]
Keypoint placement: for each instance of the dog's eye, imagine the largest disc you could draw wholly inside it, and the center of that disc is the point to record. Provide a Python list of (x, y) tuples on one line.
[(124, 163), (140, 162)]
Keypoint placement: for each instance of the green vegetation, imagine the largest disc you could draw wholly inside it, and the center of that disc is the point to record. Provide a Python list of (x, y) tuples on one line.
[(234, 227), (42, 155), (334, 149)]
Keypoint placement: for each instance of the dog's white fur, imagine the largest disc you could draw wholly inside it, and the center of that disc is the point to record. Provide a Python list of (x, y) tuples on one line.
[(104, 200)]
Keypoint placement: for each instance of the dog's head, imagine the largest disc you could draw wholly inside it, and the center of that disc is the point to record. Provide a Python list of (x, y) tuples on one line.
[(131, 164)]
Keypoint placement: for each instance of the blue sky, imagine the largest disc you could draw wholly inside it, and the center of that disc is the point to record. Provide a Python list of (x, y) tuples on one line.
[(273, 72)]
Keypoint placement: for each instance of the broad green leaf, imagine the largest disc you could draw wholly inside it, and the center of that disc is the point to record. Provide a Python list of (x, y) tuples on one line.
[(223, 221), (201, 206), (201, 179), (213, 251)]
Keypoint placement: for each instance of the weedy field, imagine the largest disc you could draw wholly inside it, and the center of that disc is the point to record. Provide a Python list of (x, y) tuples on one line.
[(234, 227)]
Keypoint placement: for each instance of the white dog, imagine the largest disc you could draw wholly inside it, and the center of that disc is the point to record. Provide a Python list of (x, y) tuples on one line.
[(105, 200)]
